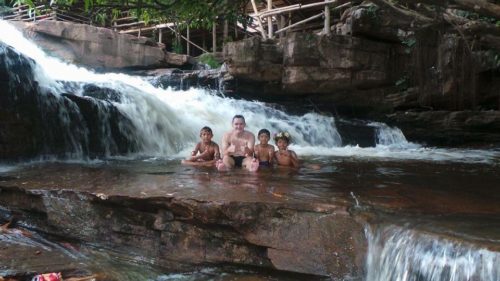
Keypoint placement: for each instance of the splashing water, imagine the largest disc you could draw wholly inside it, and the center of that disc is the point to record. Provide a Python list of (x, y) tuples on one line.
[(397, 254), (166, 123)]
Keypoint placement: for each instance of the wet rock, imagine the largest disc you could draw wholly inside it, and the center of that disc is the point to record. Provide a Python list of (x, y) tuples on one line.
[(31, 119), (449, 128), (181, 233), (94, 47)]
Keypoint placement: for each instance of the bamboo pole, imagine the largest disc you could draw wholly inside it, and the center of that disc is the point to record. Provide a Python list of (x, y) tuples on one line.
[(300, 22), (263, 33), (188, 40), (295, 7), (214, 38), (225, 34), (327, 20), (270, 19)]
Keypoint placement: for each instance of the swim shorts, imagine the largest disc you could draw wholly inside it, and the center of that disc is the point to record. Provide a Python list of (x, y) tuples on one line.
[(264, 164), (238, 160)]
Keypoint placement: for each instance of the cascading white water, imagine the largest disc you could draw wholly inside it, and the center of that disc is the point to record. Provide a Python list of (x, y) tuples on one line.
[(390, 136), (166, 121), (397, 254)]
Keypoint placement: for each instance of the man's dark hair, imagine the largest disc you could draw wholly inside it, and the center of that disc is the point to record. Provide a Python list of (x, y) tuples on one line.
[(237, 116)]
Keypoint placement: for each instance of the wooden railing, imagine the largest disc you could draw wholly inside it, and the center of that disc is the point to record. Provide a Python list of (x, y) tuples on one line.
[(270, 15), (44, 12)]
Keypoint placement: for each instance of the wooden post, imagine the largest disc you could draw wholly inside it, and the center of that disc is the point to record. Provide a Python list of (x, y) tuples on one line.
[(160, 35), (188, 44), (262, 31), (214, 38), (236, 30), (226, 31), (283, 23), (327, 20), (204, 40), (270, 19), (139, 33)]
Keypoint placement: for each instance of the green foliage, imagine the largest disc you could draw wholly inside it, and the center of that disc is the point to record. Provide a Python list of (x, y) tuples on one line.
[(177, 47), (409, 43), (475, 16), (195, 13), (3, 7), (209, 59), (372, 11), (402, 83), (100, 19)]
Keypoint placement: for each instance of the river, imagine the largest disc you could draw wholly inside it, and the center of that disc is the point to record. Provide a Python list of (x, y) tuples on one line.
[(431, 213)]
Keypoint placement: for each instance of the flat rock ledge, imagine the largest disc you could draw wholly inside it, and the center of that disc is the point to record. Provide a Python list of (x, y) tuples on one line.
[(185, 233)]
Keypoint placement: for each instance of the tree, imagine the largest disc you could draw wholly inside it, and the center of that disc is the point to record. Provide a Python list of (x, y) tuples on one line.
[(196, 13)]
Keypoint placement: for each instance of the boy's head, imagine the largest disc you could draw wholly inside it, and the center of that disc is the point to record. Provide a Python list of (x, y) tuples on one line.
[(264, 136), (285, 136), (206, 133)]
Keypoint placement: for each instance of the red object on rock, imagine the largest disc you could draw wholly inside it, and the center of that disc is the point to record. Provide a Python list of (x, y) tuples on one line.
[(48, 277)]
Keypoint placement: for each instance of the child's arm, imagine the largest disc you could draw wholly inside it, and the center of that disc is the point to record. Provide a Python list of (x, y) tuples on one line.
[(195, 152), (216, 152), (294, 159), (256, 152), (270, 150)]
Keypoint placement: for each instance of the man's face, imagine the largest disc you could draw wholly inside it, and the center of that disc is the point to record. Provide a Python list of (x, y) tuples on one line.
[(238, 124)]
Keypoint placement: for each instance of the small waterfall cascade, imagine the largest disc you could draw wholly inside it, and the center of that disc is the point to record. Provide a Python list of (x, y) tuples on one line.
[(390, 136), (81, 113), (398, 254)]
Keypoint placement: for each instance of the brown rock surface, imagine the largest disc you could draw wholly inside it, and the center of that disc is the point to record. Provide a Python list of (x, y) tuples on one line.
[(94, 47)]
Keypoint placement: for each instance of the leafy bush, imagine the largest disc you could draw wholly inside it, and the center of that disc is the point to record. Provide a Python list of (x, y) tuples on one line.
[(209, 59)]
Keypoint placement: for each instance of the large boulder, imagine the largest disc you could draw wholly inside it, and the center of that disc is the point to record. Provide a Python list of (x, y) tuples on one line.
[(94, 47)]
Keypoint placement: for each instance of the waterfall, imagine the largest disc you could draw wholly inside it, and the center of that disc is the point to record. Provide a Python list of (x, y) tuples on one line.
[(398, 254), (149, 120), (389, 136)]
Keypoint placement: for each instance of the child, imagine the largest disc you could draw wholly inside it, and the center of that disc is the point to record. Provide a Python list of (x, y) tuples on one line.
[(285, 157), (264, 152), (206, 152)]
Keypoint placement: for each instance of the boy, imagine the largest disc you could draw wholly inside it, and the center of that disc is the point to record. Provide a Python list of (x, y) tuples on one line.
[(285, 157), (264, 152), (206, 152)]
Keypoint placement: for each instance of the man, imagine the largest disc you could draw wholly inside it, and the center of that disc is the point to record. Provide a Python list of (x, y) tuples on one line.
[(237, 147)]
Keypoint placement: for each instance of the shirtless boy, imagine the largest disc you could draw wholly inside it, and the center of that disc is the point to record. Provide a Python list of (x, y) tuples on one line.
[(264, 152), (206, 152), (237, 146), (285, 157)]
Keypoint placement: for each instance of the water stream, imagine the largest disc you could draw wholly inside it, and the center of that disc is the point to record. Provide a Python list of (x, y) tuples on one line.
[(162, 126)]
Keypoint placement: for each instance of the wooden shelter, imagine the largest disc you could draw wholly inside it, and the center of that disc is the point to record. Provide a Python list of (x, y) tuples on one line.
[(270, 19)]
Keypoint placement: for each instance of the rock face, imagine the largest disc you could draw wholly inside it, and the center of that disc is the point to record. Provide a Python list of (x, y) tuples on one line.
[(31, 122), (182, 233), (452, 128), (94, 47), (374, 65)]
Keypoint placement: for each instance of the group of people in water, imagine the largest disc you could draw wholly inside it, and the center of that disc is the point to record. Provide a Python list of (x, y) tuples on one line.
[(238, 149)]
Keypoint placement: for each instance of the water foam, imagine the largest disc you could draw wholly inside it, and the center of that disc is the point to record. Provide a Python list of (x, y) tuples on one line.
[(397, 254), (167, 122)]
